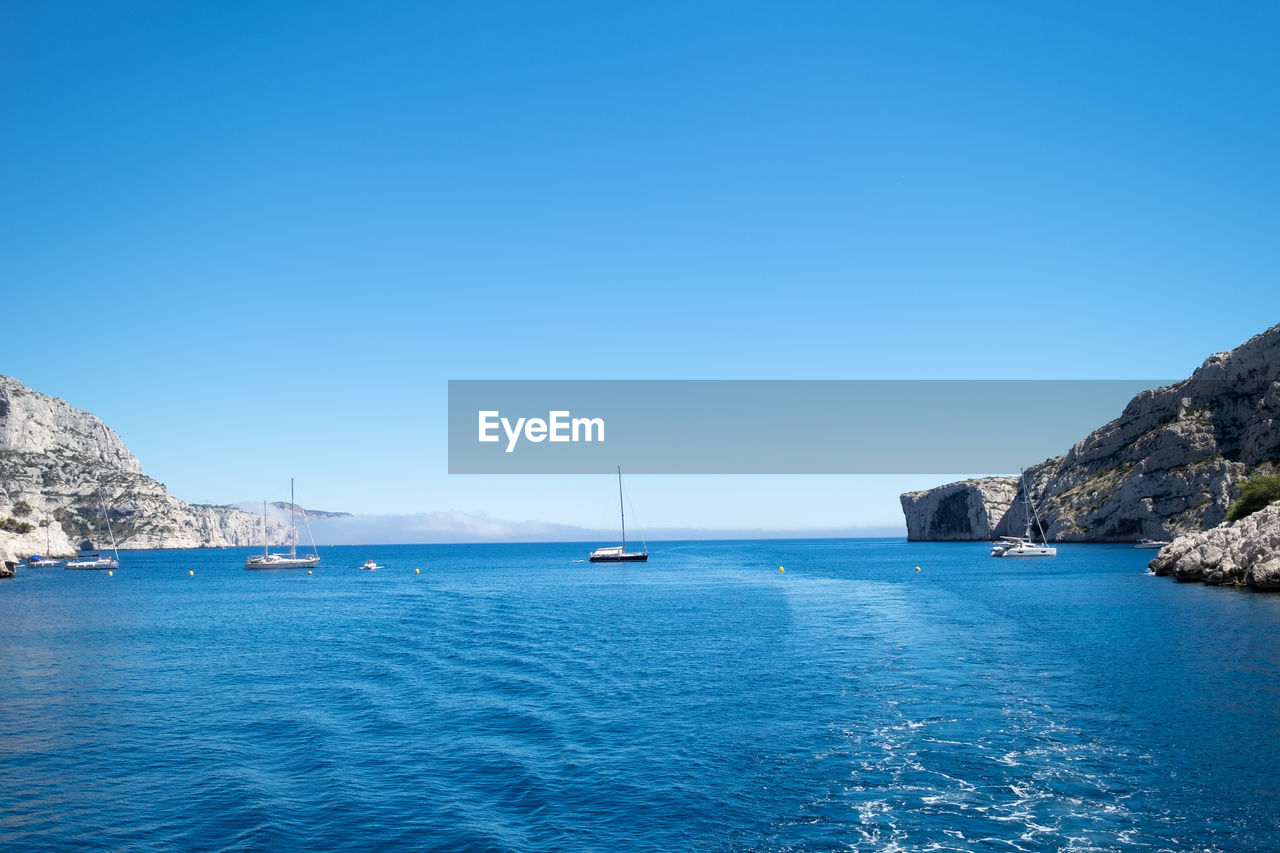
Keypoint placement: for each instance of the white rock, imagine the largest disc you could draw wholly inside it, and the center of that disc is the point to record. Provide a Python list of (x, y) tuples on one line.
[(1244, 553)]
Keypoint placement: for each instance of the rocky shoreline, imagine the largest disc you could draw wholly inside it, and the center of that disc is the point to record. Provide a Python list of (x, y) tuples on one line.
[(1243, 553)]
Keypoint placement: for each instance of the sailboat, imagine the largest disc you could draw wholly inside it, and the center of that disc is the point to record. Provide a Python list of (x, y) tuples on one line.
[(93, 558), (1024, 546), (38, 561), (283, 561), (618, 553)]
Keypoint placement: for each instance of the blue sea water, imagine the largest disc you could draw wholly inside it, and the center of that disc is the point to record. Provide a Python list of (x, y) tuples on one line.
[(510, 698)]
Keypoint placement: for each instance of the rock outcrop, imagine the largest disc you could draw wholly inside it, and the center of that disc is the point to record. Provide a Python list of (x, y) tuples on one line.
[(1165, 467), (1243, 553), (969, 509), (64, 475)]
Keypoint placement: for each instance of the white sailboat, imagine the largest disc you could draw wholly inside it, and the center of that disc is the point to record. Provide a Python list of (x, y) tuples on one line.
[(93, 558), (1024, 546), (291, 560), (618, 553)]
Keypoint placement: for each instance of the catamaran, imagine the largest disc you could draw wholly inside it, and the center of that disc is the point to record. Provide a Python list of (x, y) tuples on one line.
[(291, 560), (618, 553), (1024, 546)]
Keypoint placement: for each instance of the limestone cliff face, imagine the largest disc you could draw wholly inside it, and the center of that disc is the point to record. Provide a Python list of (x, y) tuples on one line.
[(1244, 553), (63, 473), (37, 423), (1167, 465), (966, 510)]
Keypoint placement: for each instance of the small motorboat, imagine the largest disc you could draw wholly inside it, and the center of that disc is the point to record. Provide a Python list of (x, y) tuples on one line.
[(370, 565), (1150, 543)]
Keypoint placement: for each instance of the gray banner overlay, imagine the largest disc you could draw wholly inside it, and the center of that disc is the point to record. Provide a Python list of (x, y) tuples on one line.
[(774, 426)]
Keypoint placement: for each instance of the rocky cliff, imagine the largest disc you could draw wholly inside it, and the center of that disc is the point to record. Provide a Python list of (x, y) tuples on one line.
[(969, 509), (1244, 553), (1165, 467), (64, 474)]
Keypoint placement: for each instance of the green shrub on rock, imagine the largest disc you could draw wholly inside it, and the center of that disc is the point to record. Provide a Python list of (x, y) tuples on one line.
[(1255, 493), (12, 525)]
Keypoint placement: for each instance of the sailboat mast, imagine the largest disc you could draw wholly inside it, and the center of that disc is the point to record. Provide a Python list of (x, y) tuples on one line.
[(622, 511), (264, 528), (1026, 508), (111, 533), (293, 543), (1026, 502)]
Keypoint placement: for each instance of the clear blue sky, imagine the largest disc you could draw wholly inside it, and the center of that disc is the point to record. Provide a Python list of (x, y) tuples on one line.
[(257, 239)]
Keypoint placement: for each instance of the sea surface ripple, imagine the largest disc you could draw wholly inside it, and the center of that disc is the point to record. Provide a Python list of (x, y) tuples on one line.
[(511, 698)]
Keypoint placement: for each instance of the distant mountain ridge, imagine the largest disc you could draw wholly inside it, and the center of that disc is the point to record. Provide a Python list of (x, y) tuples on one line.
[(60, 467), (312, 514), (1165, 467)]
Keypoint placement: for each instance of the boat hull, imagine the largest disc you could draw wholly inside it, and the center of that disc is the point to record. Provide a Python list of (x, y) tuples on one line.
[(1025, 552), (91, 564), (619, 558), (282, 563)]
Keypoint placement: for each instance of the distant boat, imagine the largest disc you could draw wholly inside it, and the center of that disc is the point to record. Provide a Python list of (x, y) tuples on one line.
[(92, 558), (36, 561), (1150, 543), (618, 553), (370, 565), (283, 561), (1024, 546)]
